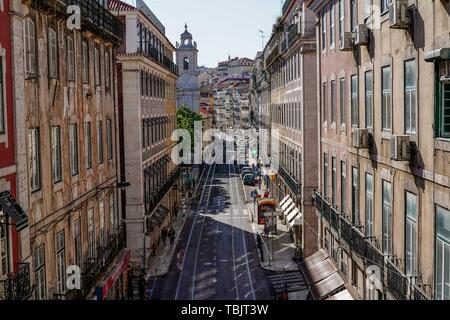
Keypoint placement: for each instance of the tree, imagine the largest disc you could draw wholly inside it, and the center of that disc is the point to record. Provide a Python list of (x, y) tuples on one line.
[(186, 119)]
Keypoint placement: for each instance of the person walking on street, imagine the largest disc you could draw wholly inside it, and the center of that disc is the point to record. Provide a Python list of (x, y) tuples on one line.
[(164, 235), (172, 237)]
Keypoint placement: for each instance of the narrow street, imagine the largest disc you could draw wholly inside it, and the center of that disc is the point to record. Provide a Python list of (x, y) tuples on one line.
[(221, 261)]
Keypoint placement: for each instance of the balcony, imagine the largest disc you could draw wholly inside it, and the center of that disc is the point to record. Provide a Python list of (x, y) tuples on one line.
[(161, 192), (329, 213), (273, 55), (292, 35), (419, 294), (397, 283), (94, 17), (290, 181), (286, 5), (165, 62), (95, 268), (17, 286)]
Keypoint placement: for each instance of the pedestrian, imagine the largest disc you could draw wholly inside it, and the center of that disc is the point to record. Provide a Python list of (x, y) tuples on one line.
[(154, 248), (172, 238), (142, 284), (164, 235)]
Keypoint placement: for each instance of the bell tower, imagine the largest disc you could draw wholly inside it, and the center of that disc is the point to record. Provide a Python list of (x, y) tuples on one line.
[(187, 53)]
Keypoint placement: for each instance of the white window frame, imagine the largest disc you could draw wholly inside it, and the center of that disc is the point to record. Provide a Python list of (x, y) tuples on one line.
[(333, 93), (369, 205), (332, 25), (73, 137), (342, 113), (368, 98), (354, 89), (411, 215), (60, 254), (341, 19), (30, 46), (35, 159), (39, 273), (52, 53), (56, 154), (442, 271), (387, 217), (343, 187), (70, 59), (386, 101), (324, 29), (410, 100)]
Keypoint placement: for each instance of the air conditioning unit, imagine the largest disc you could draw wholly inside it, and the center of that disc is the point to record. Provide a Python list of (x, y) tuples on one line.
[(361, 35), (346, 42), (361, 139), (400, 148), (399, 14)]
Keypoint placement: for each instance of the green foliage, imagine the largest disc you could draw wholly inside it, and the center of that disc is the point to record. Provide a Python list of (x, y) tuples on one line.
[(185, 120)]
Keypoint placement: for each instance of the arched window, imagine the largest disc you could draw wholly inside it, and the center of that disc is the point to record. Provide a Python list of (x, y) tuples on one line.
[(186, 63)]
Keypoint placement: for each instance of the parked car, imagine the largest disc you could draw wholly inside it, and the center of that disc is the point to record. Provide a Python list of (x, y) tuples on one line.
[(249, 180), (245, 172), (246, 168)]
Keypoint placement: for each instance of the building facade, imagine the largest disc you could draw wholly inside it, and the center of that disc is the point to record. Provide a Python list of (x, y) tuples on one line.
[(384, 196), (14, 231), (188, 90), (147, 110), (290, 60), (65, 106)]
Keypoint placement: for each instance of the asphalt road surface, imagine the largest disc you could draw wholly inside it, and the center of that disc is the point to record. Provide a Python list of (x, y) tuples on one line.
[(220, 257)]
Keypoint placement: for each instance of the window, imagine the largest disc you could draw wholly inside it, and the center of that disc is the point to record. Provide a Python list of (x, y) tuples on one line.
[(52, 54), (386, 99), (355, 102), (410, 97), (411, 235), (85, 56), (56, 154), (35, 159), (102, 223), (39, 274), (97, 65), (78, 245), (100, 141), (387, 218), (333, 181), (353, 14), (73, 137), (367, 9), (444, 112), (60, 263), (369, 99), (343, 187), (2, 98), (354, 274), (186, 63), (30, 46), (70, 60), (4, 268), (325, 176), (341, 19), (355, 197), (109, 138), (442, 278), (325, 102), (385, 5), (324, 29), (112, 212), (88, 144), (332, 25), (369, 205), (91, 235), (342, 101), (333, 101), (107, 68)]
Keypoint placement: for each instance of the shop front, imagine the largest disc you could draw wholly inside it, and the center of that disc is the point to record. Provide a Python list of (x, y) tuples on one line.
[(115, 285)]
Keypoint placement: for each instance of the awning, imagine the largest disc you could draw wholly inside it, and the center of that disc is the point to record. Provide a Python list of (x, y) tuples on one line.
[(284, 200), (343, 295), (322, 276), (289, 209), (327, 286), (120, 268), (438, 55), (286, 204), (13, 210), (295, 218)]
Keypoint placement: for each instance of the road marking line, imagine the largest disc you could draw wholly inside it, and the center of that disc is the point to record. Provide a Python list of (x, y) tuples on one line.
[(232, 236)]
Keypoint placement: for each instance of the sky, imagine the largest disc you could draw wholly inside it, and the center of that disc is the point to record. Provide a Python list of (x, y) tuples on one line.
[(220, 27)]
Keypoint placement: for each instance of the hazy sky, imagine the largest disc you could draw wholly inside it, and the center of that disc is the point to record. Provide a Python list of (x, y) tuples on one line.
[(220, 27)]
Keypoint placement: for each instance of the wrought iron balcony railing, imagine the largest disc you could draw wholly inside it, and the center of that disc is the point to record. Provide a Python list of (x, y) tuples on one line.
[(293, 34), (397, 282), (291, 182), (94, 16), (286, 5), (419, 294), (94, 268), (159, 194), (17, 286)]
